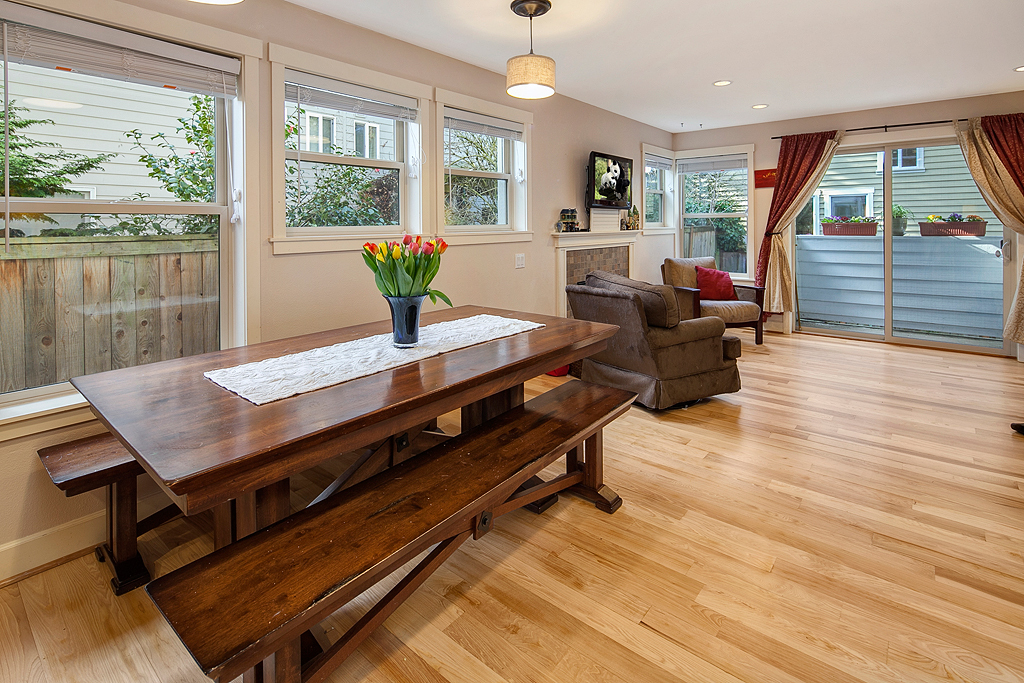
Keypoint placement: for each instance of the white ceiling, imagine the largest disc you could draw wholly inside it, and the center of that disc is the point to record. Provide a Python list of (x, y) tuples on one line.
[(655, 60)]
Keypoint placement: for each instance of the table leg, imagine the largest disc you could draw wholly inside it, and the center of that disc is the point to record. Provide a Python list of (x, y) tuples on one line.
[(593, 487), (478, 412), (121, 551)]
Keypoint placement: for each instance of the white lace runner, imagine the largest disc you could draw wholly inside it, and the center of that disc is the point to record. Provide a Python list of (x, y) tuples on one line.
[(276, 378)]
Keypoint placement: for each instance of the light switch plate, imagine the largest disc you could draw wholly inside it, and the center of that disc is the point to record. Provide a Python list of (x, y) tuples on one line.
[(520, 260)]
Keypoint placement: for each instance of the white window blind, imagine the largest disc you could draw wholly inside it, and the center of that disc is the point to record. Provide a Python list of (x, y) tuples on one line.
[(316, 91), (87, 48), (469, 122), (658, 163), (706, 164)]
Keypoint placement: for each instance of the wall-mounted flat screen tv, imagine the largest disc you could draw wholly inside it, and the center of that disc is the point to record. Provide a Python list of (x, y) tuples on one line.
[(609, 181)]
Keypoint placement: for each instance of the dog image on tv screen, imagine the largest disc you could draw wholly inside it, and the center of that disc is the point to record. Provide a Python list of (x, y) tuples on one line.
[(613, 178)]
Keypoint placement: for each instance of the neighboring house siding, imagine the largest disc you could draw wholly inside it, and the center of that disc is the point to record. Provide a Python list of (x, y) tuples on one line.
[(110, 109), (944, 186)]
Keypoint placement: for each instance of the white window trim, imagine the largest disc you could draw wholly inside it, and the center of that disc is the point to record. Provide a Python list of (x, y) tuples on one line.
[(919, 168), (827, 194), (752, 240), (668, 208), (320, 126), (40, 409), (366, 138), (414, 205), (520, 188)]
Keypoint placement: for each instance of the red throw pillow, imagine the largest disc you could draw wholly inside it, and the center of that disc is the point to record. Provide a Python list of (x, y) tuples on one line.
[(715, 285)]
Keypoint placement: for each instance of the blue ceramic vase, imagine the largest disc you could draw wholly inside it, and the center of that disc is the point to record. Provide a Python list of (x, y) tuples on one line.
[(405, 319)]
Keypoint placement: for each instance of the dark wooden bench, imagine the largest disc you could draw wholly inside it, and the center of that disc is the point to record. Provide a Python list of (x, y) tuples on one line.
[(101, 461), (253, 600)]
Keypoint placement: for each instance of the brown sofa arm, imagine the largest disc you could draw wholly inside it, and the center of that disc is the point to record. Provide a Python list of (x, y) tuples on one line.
[(751, 293), (688, 302), (685, 332)]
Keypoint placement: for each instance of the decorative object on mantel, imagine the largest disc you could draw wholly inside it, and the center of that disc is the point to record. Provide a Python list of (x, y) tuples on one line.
[(765, 177), (865, 226), (403, 272), (953, 225), (530, 77), (272, 379), (631, 221), (568, 221)]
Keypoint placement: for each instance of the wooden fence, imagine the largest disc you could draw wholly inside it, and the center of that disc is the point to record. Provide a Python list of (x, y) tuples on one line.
[(75, 306)]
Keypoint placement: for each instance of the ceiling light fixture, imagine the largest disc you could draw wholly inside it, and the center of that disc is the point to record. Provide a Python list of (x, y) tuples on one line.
[(760, 106), (217, 2), (1019, 68), (530, 77), (722, 84), (51, 104)]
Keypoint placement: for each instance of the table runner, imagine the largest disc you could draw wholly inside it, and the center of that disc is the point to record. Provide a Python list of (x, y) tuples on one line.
[(276, 378)]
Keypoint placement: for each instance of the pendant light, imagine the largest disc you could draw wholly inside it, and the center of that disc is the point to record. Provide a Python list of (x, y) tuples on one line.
[(530, 77)]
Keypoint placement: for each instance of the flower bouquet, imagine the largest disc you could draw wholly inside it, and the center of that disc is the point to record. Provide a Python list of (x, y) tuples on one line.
[(403, 272)]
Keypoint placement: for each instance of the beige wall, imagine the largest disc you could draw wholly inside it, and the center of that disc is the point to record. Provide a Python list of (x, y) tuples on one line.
[(309, 292), (766, 150)]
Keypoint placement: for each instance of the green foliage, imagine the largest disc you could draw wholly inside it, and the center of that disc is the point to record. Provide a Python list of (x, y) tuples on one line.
[(40, 169), (190, 176), (323, 194), (719, 192), (470, 200), (900, 211)]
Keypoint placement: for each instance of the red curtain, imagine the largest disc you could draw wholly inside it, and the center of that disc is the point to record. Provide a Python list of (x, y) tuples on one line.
[(1006, 133), (799, 156)]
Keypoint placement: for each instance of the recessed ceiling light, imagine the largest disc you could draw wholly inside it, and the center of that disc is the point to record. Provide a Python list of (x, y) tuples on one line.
[(217, 2), (760, 106), (1019, 68), (721, 83), (51, 104)]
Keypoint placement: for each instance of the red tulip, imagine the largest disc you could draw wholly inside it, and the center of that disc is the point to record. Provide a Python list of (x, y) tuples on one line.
[(442, 246), (419, 239), (371, 247), (415, 248), (428, 249), (407, 240)]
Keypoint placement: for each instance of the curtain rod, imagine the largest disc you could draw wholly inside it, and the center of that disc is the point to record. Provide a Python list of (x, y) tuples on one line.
[(886, 128)]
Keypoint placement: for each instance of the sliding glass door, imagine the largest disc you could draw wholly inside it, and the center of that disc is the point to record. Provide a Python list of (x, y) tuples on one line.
[(926, 266)]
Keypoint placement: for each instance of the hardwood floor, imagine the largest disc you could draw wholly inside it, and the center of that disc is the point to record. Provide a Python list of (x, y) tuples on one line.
[(854, 513)]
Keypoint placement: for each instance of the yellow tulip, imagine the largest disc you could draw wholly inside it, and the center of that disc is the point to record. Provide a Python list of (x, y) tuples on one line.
[(396, 253), (380, 256)]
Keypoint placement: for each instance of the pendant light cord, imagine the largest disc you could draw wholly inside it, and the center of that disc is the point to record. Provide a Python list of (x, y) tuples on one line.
[(531, 33)]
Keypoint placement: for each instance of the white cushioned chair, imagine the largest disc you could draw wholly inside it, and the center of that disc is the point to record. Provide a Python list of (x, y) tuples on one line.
[(681, 273)]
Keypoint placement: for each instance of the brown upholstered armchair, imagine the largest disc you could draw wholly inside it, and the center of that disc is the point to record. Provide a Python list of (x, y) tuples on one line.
[(664, 359), (746, 312)]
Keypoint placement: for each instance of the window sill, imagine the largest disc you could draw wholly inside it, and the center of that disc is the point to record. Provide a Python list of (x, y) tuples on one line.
[(463, 238), (308, 244), (41, 410), (659, 230)]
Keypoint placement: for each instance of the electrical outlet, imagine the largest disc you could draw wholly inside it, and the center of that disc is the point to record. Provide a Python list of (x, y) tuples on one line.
[(520, 260)]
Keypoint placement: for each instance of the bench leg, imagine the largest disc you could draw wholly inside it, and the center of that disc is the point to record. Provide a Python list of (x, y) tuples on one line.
[(321, 667), (121, 551), (481, 411), (593, 488)]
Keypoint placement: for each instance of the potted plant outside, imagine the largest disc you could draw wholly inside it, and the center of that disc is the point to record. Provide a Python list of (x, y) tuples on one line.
[(900, 214), (953, 225), (865, 226)]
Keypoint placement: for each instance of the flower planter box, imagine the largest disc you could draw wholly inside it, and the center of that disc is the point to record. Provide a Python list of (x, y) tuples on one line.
[(958, 229), (863, 229)]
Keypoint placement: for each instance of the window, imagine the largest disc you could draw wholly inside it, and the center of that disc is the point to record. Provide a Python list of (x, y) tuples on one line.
[(905, 159), (656, 170), (319, 135), (849, 201), (115, 224), (351, 186), (480, 155), (715, 209), (367, 135)]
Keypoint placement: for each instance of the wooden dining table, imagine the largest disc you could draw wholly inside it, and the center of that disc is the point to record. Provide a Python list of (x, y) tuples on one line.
[(210, 449)]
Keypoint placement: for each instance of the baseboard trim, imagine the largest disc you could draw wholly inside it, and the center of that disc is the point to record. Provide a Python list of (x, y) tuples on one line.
[(25, 557)]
